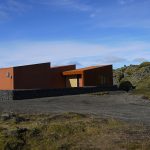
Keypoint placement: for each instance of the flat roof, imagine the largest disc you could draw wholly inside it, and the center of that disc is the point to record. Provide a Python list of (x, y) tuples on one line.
[(55, 67), (80, 71), (48, 63)]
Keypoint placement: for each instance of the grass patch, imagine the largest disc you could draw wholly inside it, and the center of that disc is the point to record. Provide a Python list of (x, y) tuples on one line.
[(144, 64), (72, 131), (100, 93), (144, 92)]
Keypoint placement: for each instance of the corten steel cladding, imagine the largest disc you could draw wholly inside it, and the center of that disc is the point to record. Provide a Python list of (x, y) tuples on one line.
[(57, 80), (7, 79), (32, 76), (37, 76), (43, 76), (40, 76), (90, 76)]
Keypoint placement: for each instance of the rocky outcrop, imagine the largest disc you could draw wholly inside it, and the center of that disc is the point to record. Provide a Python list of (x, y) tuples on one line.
[(138, 75)]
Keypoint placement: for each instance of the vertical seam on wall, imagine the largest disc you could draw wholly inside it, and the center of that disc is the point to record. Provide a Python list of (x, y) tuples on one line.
[(13, 78), (83, 79)]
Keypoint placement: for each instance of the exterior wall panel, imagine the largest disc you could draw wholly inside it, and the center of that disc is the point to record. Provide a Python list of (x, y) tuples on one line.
[(6, 79), (57, 80), (102, 76), (32, 76), (42, 76), (81, 82)]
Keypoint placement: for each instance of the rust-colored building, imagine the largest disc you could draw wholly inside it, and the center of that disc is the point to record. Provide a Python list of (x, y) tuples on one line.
[(43, 76), (90, 76)]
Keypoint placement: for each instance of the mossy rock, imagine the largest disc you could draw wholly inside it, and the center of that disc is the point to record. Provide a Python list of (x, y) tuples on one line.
[(144, 64), (144, 84)]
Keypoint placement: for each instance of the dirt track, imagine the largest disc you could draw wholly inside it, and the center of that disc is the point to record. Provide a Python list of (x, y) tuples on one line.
[(120, 105)]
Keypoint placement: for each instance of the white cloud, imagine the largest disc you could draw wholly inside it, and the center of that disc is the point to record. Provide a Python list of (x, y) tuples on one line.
[(123, 2), (140, 60), (69, 4), (60, 53), (131, 13), (16, 6), (12, 6)]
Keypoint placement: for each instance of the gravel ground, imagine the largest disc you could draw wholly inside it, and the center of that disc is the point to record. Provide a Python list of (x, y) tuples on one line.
[(118, 104)]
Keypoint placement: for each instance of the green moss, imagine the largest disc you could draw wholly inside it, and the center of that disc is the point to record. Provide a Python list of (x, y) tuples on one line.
[(144, 64), (138, 76), (144, 83), (144, 92)]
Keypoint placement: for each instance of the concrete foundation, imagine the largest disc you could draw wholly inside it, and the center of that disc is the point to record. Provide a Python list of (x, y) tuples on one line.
[(39, 93)]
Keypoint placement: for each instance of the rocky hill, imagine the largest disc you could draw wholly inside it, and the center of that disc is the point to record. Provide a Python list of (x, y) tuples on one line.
[(137, 75)]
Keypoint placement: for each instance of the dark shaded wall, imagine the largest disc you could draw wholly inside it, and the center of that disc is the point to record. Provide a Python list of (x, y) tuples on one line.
[(39, 93), (40, 76), (57, 80), (32, 76), (102, 76)]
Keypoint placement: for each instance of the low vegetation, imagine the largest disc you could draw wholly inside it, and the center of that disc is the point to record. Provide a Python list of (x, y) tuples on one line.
[(70, 131), (137, 76), (100, 93), (144, 64), (144, 92)]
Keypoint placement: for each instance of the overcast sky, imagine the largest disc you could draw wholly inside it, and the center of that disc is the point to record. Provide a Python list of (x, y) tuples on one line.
[(82, 32)]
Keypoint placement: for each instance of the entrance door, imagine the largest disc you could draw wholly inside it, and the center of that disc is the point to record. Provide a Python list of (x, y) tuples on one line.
[(71, 81), (74, 81)]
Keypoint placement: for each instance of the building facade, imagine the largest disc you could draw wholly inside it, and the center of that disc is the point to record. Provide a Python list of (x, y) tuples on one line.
[(43, 76), (90, 76)]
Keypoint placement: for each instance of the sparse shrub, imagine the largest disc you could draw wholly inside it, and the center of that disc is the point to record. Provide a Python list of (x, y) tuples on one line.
[(14, 144), (18, 119), (125, 85), (68, 132), (144, 83), (65, 146), (120, 76), (144, 64), (12, 117), (35, 132)]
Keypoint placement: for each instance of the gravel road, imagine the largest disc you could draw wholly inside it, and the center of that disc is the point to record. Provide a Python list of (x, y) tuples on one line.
[(117, 104)]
